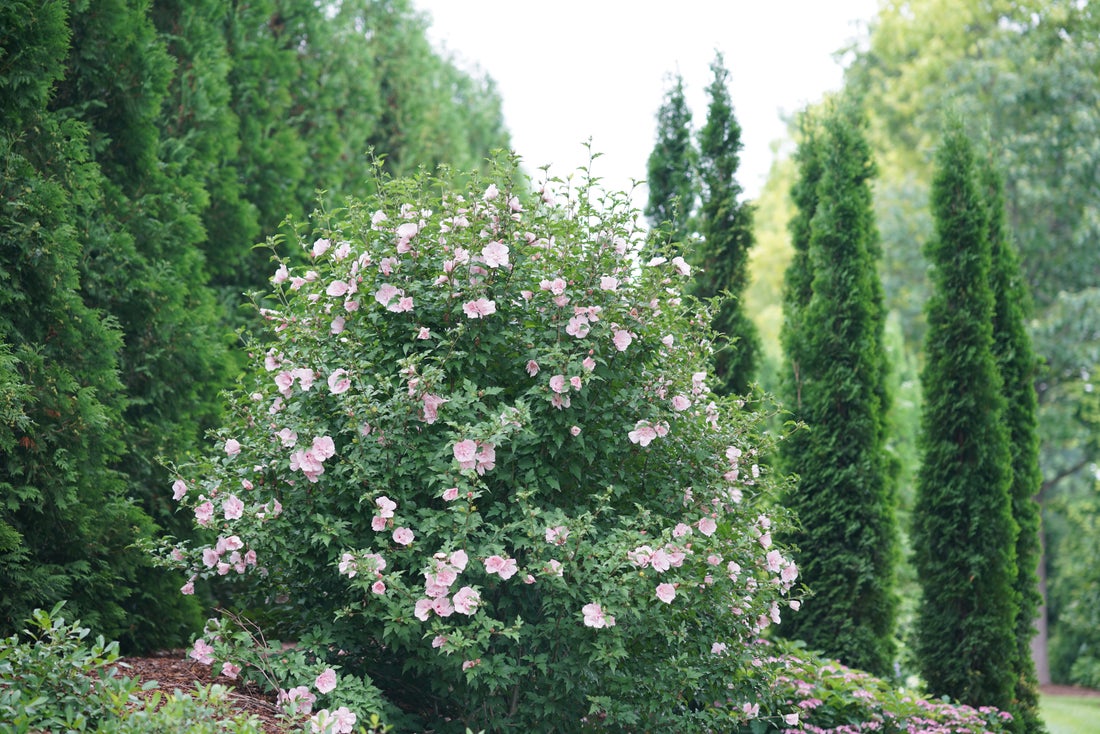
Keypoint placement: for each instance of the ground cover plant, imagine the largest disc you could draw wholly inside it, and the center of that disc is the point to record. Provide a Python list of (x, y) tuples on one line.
[(477, 473)]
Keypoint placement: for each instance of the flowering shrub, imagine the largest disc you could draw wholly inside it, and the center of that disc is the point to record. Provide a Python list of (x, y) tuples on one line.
[(476, 471), (829, 698)]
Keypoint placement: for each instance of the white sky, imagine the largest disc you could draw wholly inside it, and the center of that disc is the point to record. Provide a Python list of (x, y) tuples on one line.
[(570, 70)]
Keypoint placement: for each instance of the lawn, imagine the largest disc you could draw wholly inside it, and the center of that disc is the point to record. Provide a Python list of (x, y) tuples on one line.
[(1071, 714)]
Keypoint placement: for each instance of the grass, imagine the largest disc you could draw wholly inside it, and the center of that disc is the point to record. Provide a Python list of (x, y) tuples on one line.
[(1070, 714)]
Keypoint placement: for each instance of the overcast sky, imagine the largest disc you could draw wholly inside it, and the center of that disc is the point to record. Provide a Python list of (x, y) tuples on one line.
[(570, 70)]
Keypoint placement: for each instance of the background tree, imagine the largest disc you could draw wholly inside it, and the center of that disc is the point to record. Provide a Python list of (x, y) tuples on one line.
[(964, 534), (670, 170), (726, 226), (1018, 366), (848, 540)]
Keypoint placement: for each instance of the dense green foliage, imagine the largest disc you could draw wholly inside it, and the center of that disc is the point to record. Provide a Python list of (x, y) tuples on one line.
[(847, 538), (145, 146), (964, 536), (726, 227), (1017, 365), (670, 170)]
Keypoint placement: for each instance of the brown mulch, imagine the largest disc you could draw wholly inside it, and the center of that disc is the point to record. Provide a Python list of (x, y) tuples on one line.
[(173, 670)]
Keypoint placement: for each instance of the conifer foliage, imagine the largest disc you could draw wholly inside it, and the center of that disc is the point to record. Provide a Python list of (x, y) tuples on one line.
[(671, 167), (964, 535), (726, 227), (833, 337), (1017, 364)]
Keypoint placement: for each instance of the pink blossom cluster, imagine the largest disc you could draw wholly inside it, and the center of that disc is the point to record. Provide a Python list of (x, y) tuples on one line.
[(309, 461), (213, 557), (438, 580), (478, 455)]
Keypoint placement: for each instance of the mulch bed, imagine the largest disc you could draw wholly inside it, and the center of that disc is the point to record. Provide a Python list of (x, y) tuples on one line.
[(173, 670)]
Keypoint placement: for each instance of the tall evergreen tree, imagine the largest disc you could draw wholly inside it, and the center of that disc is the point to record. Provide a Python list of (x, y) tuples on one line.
[(964, 536), (848, 537), (670, 170), (1017, 364), (726, 228), (66, 522)]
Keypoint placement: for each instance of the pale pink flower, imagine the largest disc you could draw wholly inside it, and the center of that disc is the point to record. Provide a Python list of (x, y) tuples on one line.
[(403, 536), (424, 333), (464, 452), (188, 589), (486, 457), (681, 265), (407, 231), (733, 569), (320, 246), (555, 286), (643, 433), (337, 325), (608, 283), (491, 192), (467, 664), (795, 604), (387, 293), (450, 494), (304, 376), (589, 364), (578, 326), (466, 600), (403, 304), (232, 447), (495, 254), (557, 384), (338, 381), (386, 506), (229, 670), (622, 339), (789, 573), (348, 565), (377, 218), (554, 568), (479, 308), (378, 587), (718, 648), (774, 559), (179, 489), (514, 205), (681, 530), (204, 513), (202, 652), (707, 526), (679, 402), (285, 382), (343, 720), (532, 367), (557, 534), (439, 641), (459, 559), (287, 437), (232, 507), (503, 567), (210, 557), (326, 681), (766, 540), (575, 430), (378, 523), (431, 407), (666, 593), (668, 340), (281, 275), (575, 381), (790, 719), (337, 289), (386, 266), (594, 616), (299, 698)]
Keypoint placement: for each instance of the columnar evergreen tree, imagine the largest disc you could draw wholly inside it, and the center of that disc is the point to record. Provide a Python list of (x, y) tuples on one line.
[(670, 170), (66, 522), (848, 537), (964, 536), (1017, 364), (726, 228)]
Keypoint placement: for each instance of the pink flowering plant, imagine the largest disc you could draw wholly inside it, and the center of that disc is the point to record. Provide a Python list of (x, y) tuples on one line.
[(476, 468)]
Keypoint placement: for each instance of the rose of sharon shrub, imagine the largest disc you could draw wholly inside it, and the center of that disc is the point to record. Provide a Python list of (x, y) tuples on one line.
[(477, 464)]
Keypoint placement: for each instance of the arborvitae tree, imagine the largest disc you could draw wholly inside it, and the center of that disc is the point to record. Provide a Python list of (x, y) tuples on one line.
[(66, 523), (964, 536), (726, 228), (848, 537), (670, 170), (1017, 364)]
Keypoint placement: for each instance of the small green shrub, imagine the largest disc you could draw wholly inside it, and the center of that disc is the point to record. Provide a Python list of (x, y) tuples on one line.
[(56, 680)]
